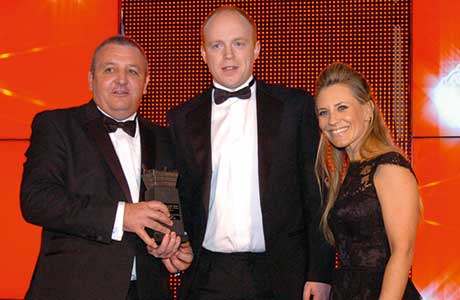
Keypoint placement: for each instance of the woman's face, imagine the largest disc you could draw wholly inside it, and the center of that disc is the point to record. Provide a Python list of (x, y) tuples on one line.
[(342, 119)]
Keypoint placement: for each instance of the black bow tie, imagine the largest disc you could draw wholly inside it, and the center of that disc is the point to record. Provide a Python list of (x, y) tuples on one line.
[(220, 96), (112, 125)]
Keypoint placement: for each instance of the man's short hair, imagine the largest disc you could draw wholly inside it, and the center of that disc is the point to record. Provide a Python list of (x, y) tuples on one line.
[(229, 8), (121, 41)]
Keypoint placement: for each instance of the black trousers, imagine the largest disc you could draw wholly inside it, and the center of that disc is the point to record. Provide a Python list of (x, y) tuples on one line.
[(232, 276)]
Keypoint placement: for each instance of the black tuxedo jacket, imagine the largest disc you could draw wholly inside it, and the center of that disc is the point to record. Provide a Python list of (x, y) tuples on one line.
[(287, 142), (71, 186)]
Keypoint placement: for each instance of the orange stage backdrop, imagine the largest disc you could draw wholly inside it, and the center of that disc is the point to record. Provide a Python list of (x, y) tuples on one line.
[(45, 52), (436, 145)]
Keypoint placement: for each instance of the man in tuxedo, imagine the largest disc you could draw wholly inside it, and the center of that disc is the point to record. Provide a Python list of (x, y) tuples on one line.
[(82, 184), (245, 152)]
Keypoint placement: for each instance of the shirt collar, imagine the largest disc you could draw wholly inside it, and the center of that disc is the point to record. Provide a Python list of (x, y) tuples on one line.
[(217, 85), (130, 118)]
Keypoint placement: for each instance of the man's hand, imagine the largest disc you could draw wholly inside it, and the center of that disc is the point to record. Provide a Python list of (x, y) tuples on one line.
[(169, 245), (151, 214), (316, 291), (180, 260)]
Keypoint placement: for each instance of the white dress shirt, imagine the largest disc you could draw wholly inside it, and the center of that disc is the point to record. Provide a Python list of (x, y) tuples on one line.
[(128, 150), (235, 216)]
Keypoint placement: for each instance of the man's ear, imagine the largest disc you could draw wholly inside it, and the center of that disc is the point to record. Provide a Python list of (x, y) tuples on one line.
[(147, 79), (256, 50), (90, 80), (203, 54)]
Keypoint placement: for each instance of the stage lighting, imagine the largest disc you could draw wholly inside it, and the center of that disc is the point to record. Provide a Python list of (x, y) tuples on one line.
[(446, 99)]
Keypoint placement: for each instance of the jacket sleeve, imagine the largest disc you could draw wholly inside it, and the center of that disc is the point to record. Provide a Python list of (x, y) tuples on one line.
[(185, 185), (50, 196)]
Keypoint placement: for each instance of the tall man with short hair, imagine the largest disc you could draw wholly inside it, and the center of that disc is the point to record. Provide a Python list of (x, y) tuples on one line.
[(82, 184), (245, 153)]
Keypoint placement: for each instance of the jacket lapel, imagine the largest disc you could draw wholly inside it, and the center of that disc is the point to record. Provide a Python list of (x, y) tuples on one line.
[(269, 112), (96, 130), (198, 122), (148, 153)]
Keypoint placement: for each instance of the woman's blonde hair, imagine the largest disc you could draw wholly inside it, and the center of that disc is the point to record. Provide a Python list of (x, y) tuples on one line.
[(331, 162)]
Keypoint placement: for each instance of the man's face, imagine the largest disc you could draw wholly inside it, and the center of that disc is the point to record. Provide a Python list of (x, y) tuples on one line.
[(229, 48), (119, 80)]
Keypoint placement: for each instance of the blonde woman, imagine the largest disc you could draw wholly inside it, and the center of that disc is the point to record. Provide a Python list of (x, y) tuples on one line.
[(372, 202)]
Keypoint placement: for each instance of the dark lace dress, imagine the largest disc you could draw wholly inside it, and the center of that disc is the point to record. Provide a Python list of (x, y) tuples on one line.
[(357, 224)]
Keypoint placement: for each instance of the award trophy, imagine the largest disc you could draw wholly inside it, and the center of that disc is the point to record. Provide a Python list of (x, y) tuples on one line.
[(161, 186)]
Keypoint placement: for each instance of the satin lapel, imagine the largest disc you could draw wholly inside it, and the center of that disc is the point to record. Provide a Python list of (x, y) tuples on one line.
[(97, 131), (148, 153), (269, 112), (199, 125)]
